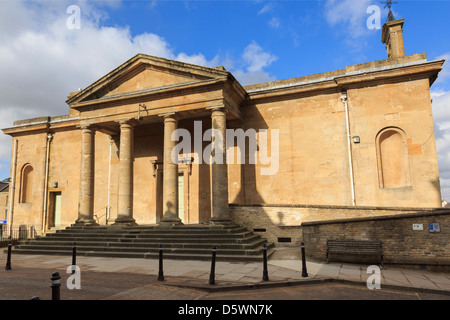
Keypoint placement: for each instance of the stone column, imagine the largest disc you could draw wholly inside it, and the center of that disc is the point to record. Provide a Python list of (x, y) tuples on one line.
[(170, 174), (86, 191), (125, 192), (219, 173)]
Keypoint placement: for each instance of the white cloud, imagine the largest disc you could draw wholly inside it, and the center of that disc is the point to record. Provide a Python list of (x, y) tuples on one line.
[(42, 60), (255, 59), (268, 7), (248, 78), (274, 23), (444, 75), (441, 114), (350, 14)]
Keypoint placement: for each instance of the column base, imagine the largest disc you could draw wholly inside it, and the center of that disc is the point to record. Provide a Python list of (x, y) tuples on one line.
[(170, 223), (124, 222), (85, 222), (221, 222)]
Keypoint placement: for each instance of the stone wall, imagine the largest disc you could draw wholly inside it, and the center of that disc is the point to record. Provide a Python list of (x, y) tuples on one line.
[(401, 244), (285, 221)]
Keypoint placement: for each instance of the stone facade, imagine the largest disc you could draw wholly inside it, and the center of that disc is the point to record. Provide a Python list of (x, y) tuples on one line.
[(351, 138)]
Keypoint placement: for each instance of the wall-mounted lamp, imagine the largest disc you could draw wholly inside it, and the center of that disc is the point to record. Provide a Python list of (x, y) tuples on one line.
[(356, 139)]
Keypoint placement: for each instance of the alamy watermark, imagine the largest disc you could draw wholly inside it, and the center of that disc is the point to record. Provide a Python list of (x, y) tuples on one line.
[(74, 20), (374, 20), (374, 280), (74, 280), (256, 151)]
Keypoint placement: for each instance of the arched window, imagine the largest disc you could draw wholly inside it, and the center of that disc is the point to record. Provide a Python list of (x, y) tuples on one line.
[(393, 162), (26, 189)]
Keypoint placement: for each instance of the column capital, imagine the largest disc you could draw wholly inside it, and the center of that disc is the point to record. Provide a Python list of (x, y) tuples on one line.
[(170, 115), (223, 106), (217, 108), (128, 122), (87, 126)]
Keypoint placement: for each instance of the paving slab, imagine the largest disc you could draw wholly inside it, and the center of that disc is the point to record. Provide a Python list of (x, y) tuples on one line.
[(329, 270), (440, 280), (394, 277), (353, 274)]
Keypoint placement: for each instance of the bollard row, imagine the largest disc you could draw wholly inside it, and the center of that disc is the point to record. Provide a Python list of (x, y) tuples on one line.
[(213, 264), (56, 278)]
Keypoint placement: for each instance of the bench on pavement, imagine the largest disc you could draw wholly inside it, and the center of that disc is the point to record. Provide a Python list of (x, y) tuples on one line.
[(356, 248)]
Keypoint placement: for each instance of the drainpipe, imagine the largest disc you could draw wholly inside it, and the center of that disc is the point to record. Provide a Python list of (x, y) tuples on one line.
[(12, 187), (44, 206), (344, 100)]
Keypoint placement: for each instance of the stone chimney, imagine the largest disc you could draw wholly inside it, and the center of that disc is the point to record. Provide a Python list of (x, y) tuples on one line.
[(392, 36)]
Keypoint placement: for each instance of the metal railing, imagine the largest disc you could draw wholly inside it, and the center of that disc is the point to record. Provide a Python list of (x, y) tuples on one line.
[(17, 233), (106, 210)]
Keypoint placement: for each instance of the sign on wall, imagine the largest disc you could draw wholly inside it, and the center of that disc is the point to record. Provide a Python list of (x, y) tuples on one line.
[(434, 227)]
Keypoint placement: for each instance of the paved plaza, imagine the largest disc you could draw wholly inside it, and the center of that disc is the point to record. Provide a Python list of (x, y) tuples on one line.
[(136, 279)]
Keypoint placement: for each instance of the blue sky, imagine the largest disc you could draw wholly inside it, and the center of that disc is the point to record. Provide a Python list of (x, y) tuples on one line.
[(42, 60)]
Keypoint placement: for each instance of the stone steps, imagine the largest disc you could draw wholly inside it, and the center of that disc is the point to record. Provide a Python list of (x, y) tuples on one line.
[(233, 243), (83, 244), (168, 250), (146, 236)]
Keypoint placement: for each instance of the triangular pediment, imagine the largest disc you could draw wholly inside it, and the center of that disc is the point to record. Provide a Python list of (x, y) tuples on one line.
[(142, 73)]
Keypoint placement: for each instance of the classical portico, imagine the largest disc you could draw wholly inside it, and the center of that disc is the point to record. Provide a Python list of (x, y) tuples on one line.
[(169, 93)]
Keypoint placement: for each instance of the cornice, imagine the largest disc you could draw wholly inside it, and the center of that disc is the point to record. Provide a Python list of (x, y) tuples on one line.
[(353, 79), (46, 125), (179, 89)]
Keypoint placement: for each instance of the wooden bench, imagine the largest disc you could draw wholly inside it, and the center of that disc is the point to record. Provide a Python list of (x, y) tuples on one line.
[(355, 247)]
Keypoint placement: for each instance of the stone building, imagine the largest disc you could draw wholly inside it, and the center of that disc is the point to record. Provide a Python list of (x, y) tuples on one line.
[(352, 142)]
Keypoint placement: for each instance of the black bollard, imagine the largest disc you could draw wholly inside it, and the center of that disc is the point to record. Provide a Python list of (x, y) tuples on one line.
[(213, 266), (8, 259), (265, 272), (56, 286), (74, 257), (304, 272), (160, 272)]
